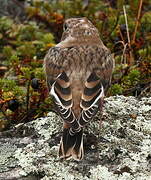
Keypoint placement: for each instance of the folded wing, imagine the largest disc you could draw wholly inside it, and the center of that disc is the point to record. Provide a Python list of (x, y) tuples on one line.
[(90, 101)]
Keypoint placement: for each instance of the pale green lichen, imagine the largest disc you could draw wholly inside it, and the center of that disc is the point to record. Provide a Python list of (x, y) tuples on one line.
[(42, 158), (6, 156), (47, 126), (101, 173), (126, 130)]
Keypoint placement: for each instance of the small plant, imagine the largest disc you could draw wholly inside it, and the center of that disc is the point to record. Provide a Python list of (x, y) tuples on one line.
[(124, 27), (116, 89), (23, 88)]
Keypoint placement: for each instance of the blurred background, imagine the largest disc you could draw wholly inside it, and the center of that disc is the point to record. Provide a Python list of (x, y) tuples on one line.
[(28, 28)]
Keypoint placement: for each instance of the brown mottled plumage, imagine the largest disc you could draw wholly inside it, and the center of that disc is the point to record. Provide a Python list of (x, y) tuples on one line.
[(78, 72)]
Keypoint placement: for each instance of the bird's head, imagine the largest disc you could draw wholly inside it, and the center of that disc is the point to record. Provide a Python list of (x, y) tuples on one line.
[(80, 29)]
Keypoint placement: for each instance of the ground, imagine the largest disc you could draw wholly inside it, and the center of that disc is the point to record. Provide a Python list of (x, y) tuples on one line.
[(116, 148)]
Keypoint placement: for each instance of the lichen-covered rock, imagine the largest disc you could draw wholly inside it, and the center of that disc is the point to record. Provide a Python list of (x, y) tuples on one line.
[(6, 156), (118, 148)]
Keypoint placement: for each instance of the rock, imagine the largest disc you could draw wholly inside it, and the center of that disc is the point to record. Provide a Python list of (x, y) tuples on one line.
[(118, 148)]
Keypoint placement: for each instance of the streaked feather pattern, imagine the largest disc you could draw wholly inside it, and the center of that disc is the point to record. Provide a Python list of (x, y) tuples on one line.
[(61, 91), (78, 73)]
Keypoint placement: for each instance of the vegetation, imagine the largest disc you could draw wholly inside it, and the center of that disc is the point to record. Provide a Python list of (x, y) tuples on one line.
[(124, 27)]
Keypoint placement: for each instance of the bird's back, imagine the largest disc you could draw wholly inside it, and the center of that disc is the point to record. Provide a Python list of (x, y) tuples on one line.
[(78, 72), (78, 63)]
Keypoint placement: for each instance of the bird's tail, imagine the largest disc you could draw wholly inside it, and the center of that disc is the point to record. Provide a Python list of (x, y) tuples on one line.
[(71, 145)]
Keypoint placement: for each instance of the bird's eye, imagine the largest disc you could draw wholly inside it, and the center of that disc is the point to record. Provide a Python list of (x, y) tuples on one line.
[(87, 33), (65, 27)]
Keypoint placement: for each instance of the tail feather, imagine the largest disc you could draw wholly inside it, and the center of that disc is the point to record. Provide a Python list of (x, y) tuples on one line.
[(71, 145), (66, 144), (78, 152)]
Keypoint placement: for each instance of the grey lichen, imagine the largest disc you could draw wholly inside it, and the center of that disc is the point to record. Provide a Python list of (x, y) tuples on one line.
[(122, 151), (47, 126), (6, 158), (40, 158)]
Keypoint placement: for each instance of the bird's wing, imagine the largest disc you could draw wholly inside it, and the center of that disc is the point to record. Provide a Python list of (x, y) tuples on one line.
[(52, 65), (104, 71), (100, 71), (96, 85), (59, 85)]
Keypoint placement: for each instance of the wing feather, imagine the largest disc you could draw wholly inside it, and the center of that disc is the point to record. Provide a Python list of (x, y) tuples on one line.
[(96, 62), (52, 66), (63, 99), (90, 98), (105, 69)]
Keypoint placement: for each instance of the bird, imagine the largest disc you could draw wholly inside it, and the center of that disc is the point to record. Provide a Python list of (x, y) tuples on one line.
[(78, 74)]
